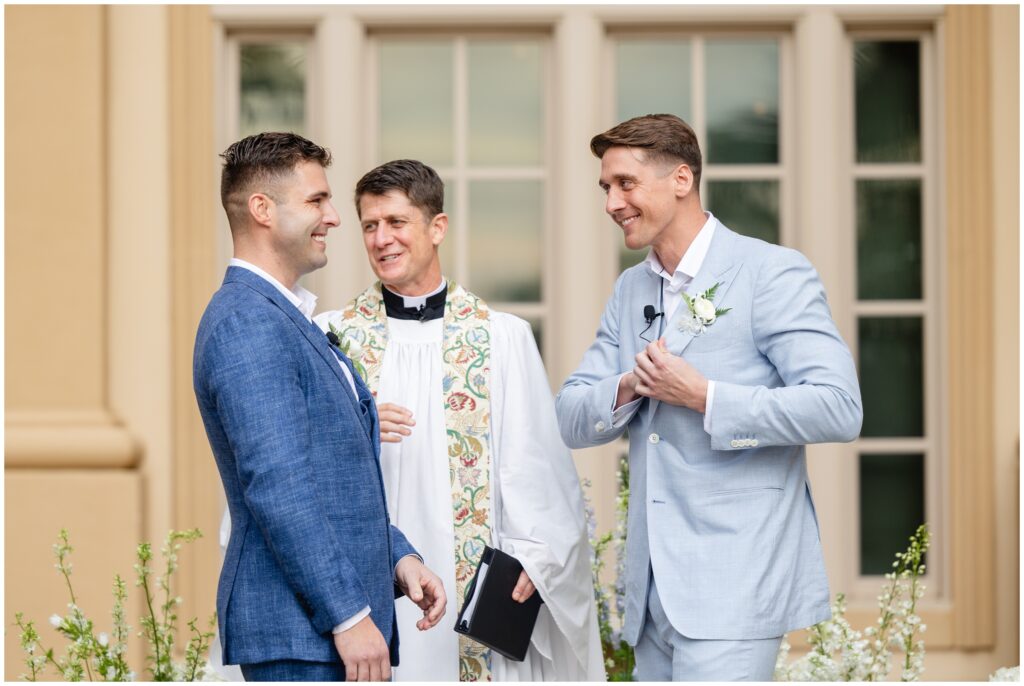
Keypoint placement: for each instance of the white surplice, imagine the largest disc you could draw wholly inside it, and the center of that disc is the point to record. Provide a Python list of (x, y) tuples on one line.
[(536, 514)]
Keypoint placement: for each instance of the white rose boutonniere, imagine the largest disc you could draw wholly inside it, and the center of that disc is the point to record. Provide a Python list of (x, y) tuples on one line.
[(703, 312)]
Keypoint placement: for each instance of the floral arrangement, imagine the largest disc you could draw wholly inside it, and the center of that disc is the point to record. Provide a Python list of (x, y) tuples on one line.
[(618, 655), (1006, 674), (102, 656), (838, 651), (841, 653)]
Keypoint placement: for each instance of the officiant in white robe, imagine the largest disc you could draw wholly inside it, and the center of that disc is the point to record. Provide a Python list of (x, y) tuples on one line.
[(471, 452)]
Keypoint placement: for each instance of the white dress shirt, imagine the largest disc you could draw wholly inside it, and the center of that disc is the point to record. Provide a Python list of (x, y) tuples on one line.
[(672, 288)]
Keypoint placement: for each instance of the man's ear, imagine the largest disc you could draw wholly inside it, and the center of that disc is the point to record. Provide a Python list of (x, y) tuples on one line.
[(682, 176), (261, 208), (438, 228)]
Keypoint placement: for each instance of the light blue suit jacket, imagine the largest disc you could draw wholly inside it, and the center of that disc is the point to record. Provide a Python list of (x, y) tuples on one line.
[(726, 520), (311, 543)]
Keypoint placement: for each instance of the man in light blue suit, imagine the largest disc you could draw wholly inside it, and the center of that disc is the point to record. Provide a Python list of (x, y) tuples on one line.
[(313, 564), (720, 356)]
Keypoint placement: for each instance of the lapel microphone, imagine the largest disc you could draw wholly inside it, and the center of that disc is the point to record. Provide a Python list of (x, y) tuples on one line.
[(333, 339), (650, 314)]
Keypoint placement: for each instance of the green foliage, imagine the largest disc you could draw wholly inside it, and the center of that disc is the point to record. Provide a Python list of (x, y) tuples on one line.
[(618, 655), (102, 656)]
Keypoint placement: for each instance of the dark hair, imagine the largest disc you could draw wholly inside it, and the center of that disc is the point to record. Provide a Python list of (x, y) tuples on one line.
[(257, 162), (665, 137), (420, 183)]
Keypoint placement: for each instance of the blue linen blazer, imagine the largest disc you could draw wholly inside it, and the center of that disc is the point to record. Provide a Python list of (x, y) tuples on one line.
[(725, 521), (311, 542)]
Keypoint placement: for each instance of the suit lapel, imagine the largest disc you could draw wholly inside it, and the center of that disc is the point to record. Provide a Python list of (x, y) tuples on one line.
[(316, 337), (720, 266)]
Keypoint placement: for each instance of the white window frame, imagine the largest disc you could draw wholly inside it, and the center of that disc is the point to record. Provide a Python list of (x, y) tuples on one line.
[(781, 171), (864, 588), (228, 82), (461, 173)]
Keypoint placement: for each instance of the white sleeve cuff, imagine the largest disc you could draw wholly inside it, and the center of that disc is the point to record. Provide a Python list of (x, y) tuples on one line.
[(622, 415), (352, 621), (707, 406)]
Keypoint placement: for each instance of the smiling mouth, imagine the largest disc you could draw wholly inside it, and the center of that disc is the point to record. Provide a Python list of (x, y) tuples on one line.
[(320, 238), (627, 221), (388, 258)]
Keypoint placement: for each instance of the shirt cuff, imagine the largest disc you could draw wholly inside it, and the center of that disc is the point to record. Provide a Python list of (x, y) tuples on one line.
[(622, 415), (352, 621), (707, 406)]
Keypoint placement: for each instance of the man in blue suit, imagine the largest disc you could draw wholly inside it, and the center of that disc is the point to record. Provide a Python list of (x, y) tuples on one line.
[(719, 354), (313, 564)]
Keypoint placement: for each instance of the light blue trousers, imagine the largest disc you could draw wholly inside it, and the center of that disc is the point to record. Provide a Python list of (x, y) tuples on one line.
[(664, 654)]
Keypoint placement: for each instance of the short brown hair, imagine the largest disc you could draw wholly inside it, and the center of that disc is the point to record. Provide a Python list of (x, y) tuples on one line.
[(261, 160), (665, 137), (417, 181)]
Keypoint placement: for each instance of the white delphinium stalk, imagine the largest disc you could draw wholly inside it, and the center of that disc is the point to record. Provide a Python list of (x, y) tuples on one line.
[(1006, 674), (841, 653), (621, 518)]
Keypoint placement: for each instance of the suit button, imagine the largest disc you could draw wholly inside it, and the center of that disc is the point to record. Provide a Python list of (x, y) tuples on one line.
[(753, 443), (599, 427), (654, 438), (734, 443)]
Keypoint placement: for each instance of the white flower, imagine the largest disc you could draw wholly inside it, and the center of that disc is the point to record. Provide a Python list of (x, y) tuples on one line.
[(55, 620), (103, 639), (1006, 674), (704, 309)]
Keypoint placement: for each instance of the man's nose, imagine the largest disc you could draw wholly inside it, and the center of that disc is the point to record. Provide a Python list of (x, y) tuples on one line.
[(382, 236), (614, 201), (331, 217)]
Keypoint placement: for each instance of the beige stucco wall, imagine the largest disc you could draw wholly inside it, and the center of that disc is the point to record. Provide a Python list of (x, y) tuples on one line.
[(100, 436)]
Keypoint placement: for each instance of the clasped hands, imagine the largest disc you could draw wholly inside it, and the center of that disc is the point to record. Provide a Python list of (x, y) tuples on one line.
[(660, 375)]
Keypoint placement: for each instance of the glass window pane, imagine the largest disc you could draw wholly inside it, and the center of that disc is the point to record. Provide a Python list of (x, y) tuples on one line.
[(537, 325), (273, 88), (447, 250), (889, 239), (652, 77), (505, 223), (892, 376), (416, 86), (888, 101), (743, 101), (891, 507), (506, 120), (747, 207)]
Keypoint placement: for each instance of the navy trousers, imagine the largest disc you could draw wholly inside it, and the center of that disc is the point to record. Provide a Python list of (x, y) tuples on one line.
[(294, 670)]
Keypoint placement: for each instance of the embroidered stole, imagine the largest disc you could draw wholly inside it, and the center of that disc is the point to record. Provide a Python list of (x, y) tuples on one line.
[(466, 351)]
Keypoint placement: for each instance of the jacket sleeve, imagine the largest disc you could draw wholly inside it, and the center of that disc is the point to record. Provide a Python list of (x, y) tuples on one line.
[(584, 405), (253, 377), (819, 399)]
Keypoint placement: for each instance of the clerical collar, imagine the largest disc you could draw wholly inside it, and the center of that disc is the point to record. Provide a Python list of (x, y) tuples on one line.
[(424, 307)]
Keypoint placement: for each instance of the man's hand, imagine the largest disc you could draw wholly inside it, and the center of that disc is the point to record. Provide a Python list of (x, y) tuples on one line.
[(669, 378), (524, 588), (393, 422), (364, 652), (422, 587)]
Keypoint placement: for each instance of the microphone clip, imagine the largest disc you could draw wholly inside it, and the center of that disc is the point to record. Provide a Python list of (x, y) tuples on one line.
[(650, 315)]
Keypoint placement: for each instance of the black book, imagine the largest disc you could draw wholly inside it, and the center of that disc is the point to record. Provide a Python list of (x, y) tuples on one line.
[(490, 616)]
